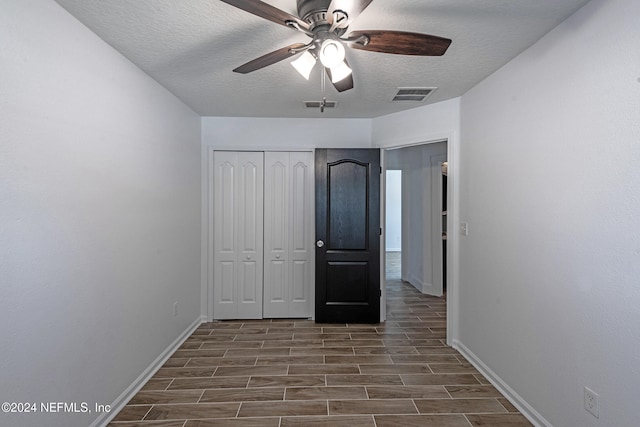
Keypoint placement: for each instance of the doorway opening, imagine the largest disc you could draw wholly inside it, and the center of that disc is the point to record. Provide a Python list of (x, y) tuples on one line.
[(415, 207), (393, 224)]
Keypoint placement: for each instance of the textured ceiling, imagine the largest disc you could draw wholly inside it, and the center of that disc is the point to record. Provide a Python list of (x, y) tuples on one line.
[(191, 46)]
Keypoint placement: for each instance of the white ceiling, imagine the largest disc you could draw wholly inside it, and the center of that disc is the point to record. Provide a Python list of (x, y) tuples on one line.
[(191, 46)]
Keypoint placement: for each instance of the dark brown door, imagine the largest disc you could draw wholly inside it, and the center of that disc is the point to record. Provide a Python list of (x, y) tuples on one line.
[(347, 235)]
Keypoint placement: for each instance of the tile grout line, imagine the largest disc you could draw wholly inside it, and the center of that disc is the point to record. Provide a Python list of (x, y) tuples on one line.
[(147, 413), (467, 419)]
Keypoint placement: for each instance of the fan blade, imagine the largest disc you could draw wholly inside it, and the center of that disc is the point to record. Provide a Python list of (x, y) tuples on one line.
[(266, 11), (401, 43), (344, 84), (352, 8), (268, 59)]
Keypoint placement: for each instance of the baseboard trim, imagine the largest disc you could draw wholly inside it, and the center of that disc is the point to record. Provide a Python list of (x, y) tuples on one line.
[(120, 402), (415, 282), (427, 288), (422, 287), (527, 410)]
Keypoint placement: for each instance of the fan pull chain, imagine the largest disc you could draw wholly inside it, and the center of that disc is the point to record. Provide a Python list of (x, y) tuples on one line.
[(323, 77)]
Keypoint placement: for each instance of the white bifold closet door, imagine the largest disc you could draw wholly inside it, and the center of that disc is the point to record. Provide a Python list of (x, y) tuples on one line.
[(238, 235), (263, 235), (288, 234)]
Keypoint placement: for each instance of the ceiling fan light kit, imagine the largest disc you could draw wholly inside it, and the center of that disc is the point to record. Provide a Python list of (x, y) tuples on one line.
[(304, 64), (340, 72), (327, 22), (331, 53)]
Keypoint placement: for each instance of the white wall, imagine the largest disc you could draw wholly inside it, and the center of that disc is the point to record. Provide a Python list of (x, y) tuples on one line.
[(273, 134), (393, 212), (99, 215), (433, 122), (416, 219), (550, 270)]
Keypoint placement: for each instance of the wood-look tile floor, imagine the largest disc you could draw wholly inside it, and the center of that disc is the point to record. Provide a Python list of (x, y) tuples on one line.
[(287, 373)]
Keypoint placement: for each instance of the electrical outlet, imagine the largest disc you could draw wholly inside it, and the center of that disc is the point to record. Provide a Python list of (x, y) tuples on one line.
[(175, 308), (591, 402)]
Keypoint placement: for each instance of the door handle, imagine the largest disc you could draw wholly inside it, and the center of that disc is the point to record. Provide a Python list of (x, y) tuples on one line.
[(319, 243)]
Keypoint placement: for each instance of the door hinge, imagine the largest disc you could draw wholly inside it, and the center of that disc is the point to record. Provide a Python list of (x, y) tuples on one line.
[(381, 231), (380, 170), (380, 293)]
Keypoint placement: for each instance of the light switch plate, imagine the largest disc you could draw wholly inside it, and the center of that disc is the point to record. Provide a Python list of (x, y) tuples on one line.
[(464, 228)]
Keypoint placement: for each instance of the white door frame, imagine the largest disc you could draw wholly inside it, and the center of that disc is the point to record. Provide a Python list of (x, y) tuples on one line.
[(453, 218)]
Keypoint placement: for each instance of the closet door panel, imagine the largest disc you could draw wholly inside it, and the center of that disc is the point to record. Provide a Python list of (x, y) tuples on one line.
[(238, 235), (299, 291), (278, 280), (225, 230), (227, 279), (247, 278), (250, 221), (299, 205), (301, 226), (250, 209), (276, 219), (288, 239), (276, 188)]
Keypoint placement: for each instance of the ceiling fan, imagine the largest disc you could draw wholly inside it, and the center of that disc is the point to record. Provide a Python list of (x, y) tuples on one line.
[(327, 22)]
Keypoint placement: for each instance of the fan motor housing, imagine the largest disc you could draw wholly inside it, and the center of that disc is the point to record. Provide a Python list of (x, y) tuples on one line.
[(313, 11)]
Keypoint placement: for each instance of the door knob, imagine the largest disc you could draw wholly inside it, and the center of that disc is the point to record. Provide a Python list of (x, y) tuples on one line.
[(278, 256), (248, 257), (319, 243)]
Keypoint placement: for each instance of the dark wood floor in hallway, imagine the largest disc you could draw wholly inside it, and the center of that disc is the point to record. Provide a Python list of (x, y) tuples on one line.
[(285, 373)]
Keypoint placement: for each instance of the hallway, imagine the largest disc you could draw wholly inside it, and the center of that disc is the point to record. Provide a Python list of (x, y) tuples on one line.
[(283, 373)]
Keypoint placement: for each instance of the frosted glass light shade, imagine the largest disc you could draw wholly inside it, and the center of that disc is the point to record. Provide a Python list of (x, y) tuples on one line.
[(331, 53), (340, 72), (304, 64)]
